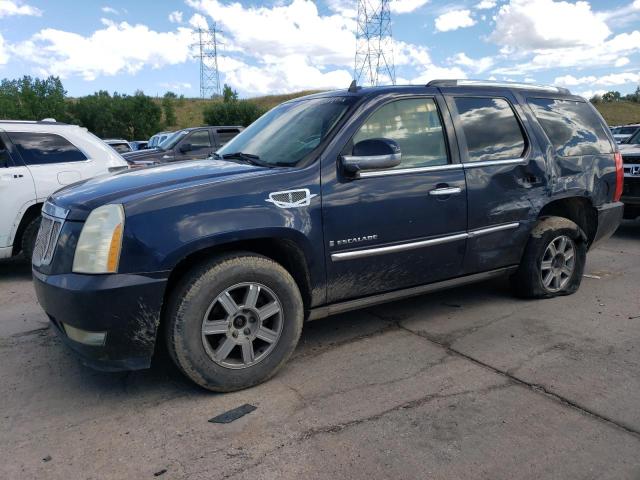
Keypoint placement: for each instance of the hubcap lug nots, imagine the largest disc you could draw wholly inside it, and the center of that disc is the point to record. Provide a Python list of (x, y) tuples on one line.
[(234, 334)]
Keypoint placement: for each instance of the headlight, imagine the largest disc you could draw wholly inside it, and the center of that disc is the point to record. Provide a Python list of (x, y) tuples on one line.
[(98, 249)]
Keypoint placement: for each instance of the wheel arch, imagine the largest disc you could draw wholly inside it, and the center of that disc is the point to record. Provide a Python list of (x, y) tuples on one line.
[(32, 211), (579, 210)]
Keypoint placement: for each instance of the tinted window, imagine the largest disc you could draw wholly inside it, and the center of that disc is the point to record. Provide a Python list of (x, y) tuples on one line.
[(627, 130), (5, 160), (491, 129), (121, 147), (199, 139), (45, 148), (226, 134), (572, 127), (415, 125)]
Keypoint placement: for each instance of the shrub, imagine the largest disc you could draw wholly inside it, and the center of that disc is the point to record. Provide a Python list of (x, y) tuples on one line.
[(237, 112)]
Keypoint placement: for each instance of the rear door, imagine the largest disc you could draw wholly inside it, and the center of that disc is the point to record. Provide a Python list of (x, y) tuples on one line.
[(16, 191), (52, 160), (401, 227), (223, 135), (504, 171)]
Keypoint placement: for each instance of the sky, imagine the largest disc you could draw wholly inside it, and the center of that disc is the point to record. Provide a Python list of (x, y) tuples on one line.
[(280, 46)]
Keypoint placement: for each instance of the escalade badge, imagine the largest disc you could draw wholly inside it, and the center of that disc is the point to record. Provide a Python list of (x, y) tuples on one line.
[(291, 198)]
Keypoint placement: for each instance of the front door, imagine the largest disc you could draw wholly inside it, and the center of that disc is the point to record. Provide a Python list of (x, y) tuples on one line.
[(197, 145), (505, 172), (16, 191), (401, 227)]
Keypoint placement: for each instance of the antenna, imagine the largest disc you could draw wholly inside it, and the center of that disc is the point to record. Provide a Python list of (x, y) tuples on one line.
[(374, 43), (207, 45)]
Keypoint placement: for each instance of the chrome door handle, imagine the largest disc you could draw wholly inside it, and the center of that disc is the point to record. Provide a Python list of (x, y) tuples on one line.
[(440, 192)]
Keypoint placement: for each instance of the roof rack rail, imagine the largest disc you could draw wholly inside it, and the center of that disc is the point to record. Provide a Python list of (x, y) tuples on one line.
[(495, 83)]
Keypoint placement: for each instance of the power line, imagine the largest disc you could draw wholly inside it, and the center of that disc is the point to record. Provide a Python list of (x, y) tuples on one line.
[(374, 43), (207, 44)]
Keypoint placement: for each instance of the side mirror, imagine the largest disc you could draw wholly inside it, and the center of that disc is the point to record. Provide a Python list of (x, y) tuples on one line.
[(373, 154), (186, 147)]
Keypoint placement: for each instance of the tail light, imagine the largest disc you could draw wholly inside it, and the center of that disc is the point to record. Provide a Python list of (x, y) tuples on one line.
[(619, 177)]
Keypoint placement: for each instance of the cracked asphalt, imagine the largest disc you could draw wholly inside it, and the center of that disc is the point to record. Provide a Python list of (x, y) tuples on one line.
[(469, 383)]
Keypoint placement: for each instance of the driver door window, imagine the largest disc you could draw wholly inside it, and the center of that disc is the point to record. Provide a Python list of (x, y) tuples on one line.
[(415, 125), (199, 139)]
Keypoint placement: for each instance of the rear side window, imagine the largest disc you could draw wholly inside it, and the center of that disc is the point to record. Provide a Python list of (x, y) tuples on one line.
[(226, 134), (572, 127), (45, 148), (5, 159), (415, 125), (491, 129)]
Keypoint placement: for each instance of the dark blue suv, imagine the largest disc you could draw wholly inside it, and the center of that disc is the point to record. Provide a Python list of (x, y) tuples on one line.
[(327, 203)]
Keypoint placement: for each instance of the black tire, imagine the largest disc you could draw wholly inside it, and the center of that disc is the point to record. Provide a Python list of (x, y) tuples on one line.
[(29, 237), (528, 281), (191, 301)]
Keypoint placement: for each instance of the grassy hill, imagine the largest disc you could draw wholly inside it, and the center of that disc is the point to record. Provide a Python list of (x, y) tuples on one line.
[(189, 110), (620, 113)]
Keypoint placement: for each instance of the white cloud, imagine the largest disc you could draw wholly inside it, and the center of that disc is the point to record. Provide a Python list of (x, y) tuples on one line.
[(176, 86), (406, 6), (476, 65), (538, 24), (453, 20), (16, 7), (486, 4), (4, 52), (175, 16), (110, 10), (117, 48), (606, 80), (621, 62)]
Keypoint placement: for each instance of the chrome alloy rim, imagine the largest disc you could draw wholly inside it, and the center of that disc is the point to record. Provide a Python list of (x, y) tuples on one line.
[(242, 325), (558, 263)]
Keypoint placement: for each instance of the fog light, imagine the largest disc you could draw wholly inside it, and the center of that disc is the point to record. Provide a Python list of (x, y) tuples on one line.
[(95, 339)]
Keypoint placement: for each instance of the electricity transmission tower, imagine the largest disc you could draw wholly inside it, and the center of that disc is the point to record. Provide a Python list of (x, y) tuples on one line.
[(374, 43), (207, 45)]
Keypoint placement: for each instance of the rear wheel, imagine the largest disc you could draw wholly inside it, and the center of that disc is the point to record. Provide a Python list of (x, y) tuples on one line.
[(553, 261), (234, 322), (29, 237)]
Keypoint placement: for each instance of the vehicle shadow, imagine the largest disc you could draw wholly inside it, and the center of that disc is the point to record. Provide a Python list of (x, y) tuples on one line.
[(16, 268), (628, 230)]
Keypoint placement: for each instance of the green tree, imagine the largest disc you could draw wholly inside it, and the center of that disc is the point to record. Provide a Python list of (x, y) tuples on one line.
[(229, 94), (33, 99), (612, 96), (237, 112), (168, 109)]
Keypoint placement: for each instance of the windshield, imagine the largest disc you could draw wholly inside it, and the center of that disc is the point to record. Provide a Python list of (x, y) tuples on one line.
[(288, 133), (171, 141), (635, 140), (627, 130)]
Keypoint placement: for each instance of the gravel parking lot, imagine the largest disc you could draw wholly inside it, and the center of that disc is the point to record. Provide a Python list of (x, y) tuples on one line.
[(468, 383)]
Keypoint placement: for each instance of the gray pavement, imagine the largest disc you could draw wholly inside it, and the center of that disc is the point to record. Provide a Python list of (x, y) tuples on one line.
[(470, 383)]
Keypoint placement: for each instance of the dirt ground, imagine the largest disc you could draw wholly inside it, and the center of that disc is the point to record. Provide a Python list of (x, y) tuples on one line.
[(465, 384)]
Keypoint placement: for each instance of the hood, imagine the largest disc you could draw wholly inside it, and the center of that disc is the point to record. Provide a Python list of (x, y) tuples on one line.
[(80, 198), (626, 148), (153, 154)]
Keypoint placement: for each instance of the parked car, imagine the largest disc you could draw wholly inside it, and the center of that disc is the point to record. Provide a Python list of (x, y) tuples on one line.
[(328, 203), (623, 133), (631, 192), (138, 145), (157, 139), (188, 144), (119, 145), (36, 159)]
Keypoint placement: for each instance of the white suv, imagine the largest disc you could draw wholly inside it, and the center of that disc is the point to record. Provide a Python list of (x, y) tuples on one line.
[(36, 159)]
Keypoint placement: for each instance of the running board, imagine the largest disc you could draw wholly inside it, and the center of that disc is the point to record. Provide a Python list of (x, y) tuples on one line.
[(335, 308)]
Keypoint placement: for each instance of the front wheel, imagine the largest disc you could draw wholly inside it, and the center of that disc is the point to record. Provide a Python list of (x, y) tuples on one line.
[(553, 261), (233, 322)]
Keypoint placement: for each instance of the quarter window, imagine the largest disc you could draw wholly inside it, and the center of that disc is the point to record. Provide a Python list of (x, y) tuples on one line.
[(415, 125), (572, 127), (5, 160), (490, 128), (199, 139), (45, 148)]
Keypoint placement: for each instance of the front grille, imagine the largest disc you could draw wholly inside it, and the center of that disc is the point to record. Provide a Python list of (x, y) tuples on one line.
[(631, 187), (46, 240)]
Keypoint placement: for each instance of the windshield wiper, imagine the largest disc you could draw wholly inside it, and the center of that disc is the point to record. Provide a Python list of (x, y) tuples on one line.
[(247, 158)]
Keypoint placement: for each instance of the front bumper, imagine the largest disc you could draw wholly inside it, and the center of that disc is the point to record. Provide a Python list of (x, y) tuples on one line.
[(631, 196), (126, 307), (609, 218)]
